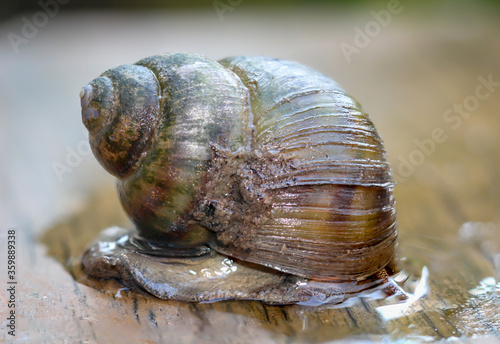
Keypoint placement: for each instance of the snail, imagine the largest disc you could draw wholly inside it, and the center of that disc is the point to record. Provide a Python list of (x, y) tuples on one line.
[(245, 178)]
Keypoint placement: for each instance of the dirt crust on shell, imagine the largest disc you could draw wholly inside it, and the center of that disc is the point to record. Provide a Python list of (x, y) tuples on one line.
[(238, 195)]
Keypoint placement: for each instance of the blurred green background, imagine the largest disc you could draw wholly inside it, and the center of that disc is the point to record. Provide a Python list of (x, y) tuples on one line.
[(11, 8)]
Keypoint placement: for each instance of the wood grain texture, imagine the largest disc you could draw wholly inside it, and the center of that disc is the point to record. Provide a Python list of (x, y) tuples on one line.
[(407, 78)]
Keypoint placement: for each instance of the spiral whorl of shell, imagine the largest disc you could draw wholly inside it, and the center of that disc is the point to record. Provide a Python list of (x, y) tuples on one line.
[(121, 111)]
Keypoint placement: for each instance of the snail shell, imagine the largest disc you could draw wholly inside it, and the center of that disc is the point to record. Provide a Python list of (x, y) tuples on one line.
[(264, 160)]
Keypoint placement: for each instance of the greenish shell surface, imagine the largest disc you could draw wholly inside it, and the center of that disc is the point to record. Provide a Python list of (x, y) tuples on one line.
[(120, 109), (198, 102)]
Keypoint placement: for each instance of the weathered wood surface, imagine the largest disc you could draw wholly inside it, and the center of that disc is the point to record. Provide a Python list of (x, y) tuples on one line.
[(407, 77)]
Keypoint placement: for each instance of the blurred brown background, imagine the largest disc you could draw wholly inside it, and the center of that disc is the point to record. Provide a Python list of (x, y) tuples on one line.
[(416, 67)]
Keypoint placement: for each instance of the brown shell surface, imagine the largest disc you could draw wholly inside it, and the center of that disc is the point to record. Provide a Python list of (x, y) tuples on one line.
[(330, 211)]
